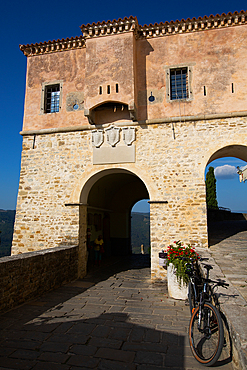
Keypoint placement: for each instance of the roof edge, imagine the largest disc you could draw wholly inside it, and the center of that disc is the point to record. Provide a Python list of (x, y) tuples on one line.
[(131, 25), (77, 42), (110, 27), (194, 25)]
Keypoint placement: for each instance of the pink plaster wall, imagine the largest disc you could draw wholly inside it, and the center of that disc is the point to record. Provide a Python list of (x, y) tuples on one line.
[(218, 59)]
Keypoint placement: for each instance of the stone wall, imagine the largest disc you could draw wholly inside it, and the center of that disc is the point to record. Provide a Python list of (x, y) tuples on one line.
[(120, 74), (223, 215), (29, 275), (170, 160)]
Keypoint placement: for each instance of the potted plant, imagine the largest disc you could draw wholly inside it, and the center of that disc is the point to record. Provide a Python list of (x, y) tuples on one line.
[(176, 272)]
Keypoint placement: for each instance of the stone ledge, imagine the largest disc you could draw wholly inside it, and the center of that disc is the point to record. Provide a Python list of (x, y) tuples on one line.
[(35, 253), (28, 275), (165, 120), (234, 307)]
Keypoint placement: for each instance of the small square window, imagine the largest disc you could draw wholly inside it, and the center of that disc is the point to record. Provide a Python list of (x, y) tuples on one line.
[(52, 97), (179, 83)]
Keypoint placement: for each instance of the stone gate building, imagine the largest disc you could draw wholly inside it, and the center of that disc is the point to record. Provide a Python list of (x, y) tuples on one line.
[(128, 112)]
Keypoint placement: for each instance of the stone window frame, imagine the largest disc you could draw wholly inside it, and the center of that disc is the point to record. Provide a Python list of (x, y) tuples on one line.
[(168, 69), (44, 85)]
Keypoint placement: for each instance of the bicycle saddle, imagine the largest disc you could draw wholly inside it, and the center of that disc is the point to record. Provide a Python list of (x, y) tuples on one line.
[(208, 267)]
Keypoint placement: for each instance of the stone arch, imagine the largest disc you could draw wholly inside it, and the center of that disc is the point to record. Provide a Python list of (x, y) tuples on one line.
[(221, 151), (106, 199), (234, 150), (93, 174), (110, 111)]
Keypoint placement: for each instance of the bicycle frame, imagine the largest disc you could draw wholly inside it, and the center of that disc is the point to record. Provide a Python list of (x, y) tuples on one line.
[(204, 297), (206, 332)]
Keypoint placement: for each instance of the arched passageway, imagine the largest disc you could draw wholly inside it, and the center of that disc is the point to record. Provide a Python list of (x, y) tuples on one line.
[(231, 194), (109, 197), (140, 227)]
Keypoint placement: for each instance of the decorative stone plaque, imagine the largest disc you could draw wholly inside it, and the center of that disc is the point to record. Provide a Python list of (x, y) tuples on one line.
[(97, 138), (112, 135), (129, 135)]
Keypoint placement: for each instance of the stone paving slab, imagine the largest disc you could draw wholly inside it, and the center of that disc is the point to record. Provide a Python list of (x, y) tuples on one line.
[(81, 326)]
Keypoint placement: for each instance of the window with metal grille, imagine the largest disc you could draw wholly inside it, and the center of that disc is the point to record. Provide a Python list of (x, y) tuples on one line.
[(179, 84), (52, 97)]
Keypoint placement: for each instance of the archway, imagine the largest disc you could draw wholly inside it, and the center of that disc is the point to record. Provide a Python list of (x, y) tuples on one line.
[(231, 194), (108, 197), (140, 227), (235, 150)]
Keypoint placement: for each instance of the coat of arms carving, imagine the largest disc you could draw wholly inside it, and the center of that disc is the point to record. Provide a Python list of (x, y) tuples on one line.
[(112, 135), (97, 138), (129, 135)]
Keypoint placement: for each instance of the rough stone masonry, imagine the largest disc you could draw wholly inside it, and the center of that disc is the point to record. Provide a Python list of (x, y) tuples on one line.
[(128, 112)]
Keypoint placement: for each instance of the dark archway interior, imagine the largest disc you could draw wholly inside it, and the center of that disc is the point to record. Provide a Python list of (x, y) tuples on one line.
[(110, 201)]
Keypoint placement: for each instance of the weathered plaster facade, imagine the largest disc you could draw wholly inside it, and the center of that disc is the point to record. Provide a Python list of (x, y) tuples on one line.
[(127, 140)]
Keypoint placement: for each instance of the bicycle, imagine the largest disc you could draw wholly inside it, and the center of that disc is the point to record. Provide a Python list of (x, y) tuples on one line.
[(206, 332), (192, 271), (195, 281)]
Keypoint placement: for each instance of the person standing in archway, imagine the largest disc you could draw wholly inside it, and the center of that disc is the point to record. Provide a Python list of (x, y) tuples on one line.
[(98, 250)]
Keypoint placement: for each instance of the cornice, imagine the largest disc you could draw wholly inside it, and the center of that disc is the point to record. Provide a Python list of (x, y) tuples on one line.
[(131, 25), (53, 46), (110, 27), (193, 25), (167, 120), (164, 29)]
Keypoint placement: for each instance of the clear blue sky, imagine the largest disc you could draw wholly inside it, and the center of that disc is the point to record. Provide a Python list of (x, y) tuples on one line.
[(26, 22)]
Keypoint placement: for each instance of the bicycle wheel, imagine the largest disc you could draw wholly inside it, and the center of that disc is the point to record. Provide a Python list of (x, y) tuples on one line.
[(206, 341), (191, 297)]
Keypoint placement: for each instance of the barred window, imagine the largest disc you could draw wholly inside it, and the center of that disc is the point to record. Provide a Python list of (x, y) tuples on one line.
[(52, 97), (179, 83)]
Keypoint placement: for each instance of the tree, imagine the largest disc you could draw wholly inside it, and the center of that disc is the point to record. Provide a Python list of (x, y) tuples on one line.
[(211, 198)]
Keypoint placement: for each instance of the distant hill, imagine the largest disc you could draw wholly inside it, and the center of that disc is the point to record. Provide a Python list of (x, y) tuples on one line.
[(7, 219), (140, 232)]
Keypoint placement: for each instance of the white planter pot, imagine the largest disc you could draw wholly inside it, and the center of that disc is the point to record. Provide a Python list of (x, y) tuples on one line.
[(174, 290)]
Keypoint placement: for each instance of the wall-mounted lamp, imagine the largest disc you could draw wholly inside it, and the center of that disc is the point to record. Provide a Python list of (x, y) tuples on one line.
[(151, 97)]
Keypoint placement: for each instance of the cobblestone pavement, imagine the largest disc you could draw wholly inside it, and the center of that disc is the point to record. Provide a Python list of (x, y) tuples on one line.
[(115, 319)]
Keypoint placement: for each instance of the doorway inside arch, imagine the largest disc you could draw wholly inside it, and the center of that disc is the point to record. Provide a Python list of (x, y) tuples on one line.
[(109, 197), (230, 216), (140, 227)]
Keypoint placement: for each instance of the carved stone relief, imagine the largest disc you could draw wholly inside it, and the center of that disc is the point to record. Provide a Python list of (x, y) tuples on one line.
[(113, 136), (129, 135), (97, 138)]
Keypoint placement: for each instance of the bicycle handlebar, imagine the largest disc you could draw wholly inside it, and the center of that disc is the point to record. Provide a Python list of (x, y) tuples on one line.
[(220, 283), (208, 267)]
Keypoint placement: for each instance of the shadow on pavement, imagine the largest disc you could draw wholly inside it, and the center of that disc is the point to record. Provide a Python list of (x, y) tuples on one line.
[(107, 341), (111, 266), (220, 230), (115, 319)]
